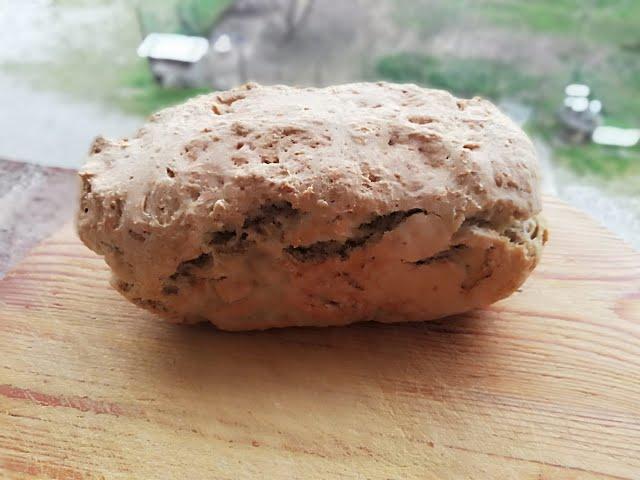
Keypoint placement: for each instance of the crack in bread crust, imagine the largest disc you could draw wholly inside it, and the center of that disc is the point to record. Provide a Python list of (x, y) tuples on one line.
[(366, 232), (517, 232), (440, 256)]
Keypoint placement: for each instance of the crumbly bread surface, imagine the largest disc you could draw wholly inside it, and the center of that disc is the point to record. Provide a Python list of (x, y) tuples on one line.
[(274, 206)]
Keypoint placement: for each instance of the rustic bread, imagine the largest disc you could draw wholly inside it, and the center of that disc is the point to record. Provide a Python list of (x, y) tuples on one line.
[(274, 206)]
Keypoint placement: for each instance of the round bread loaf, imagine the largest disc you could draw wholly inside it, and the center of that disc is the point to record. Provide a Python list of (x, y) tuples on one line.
[(274, 206)]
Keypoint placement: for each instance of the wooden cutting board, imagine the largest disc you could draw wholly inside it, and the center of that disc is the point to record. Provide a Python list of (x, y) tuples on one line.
[(544, 385)]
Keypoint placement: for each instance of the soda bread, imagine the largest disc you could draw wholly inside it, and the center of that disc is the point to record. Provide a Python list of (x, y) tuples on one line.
[(274, 206)]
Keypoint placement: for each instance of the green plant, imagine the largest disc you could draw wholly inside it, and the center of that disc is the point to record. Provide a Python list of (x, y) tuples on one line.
[(188, 17)]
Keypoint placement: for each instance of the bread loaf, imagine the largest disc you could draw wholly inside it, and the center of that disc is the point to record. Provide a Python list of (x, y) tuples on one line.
[(276, 206)]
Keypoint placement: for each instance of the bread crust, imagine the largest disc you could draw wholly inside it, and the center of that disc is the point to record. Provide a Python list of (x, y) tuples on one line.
[(275, 206)]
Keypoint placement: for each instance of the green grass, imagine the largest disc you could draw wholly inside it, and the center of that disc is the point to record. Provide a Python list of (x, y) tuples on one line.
[(610, 22), (142, 95), (604, 162), (605, 21), (465, 78)]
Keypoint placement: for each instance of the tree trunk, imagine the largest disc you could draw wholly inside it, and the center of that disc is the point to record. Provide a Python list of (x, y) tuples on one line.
[(293, 19)]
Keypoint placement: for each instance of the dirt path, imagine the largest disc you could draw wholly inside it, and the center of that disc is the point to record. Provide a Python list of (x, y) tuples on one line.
[(618, 213), (50, 128)]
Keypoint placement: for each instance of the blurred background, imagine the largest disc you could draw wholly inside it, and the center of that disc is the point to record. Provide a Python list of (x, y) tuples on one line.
[(568, 71)]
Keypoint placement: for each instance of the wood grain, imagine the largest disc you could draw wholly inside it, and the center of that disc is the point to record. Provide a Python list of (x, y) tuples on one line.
[(543, 385)]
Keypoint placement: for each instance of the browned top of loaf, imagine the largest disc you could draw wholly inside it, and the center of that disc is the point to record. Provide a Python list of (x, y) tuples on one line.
[(339, 153)]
